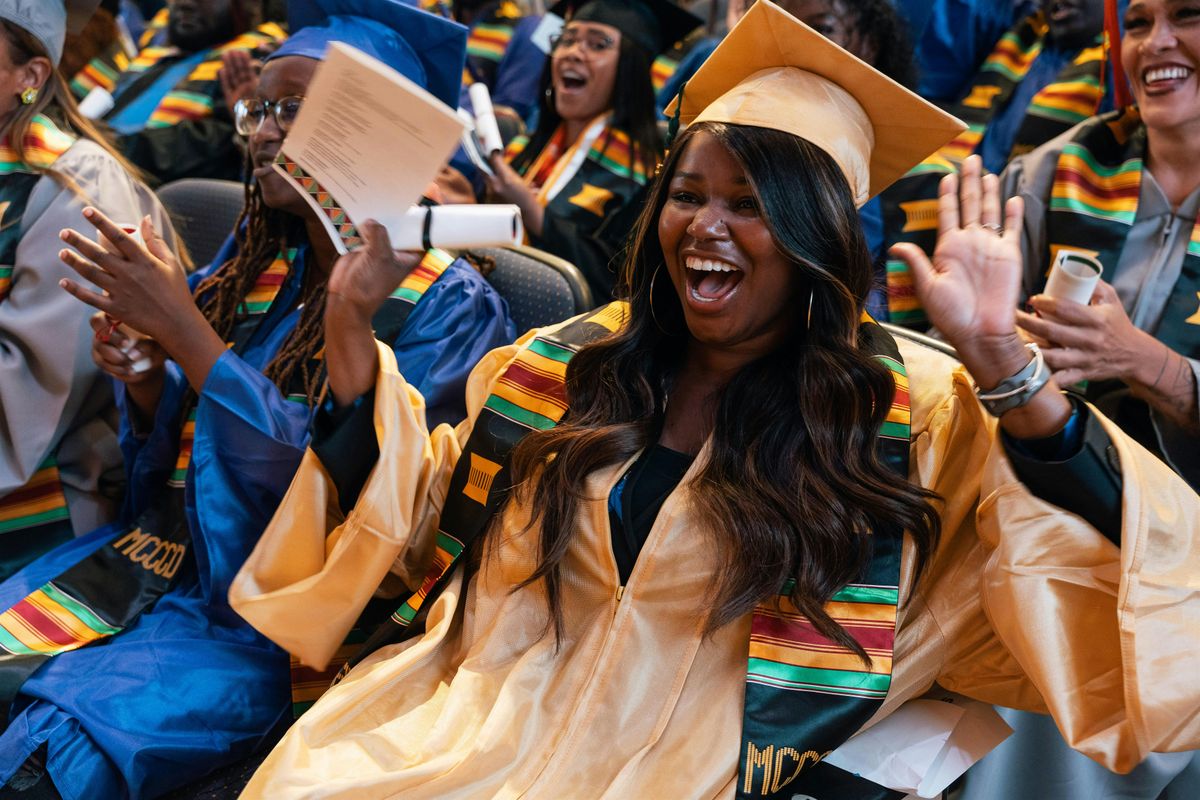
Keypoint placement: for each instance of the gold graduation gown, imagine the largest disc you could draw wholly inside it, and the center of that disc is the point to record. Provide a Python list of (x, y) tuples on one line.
[(1023, 605)]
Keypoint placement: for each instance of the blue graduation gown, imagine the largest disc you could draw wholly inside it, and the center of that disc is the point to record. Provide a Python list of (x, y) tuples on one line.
[(190, 686)]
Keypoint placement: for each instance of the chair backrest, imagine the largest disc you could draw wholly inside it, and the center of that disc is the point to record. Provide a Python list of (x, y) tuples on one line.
[(921, 339), (204, 212), (540, 289)]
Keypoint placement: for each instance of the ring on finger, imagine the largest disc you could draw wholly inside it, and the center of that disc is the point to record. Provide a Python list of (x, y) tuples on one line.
[(994, 227)]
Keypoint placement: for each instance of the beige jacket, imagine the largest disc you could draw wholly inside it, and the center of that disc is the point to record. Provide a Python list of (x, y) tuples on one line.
[(1023, 605)]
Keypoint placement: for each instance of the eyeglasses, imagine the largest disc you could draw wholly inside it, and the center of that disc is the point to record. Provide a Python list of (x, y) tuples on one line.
[(250, 113), (593, 42)]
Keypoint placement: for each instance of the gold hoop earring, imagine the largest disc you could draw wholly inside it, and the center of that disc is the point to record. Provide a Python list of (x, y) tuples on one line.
[(29, 96), (808, 319)]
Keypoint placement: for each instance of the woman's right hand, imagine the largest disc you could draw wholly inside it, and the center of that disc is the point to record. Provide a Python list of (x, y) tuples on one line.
[(359, 284), (115, 354)]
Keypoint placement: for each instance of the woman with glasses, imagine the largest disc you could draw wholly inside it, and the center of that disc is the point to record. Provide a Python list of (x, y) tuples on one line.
[(60, 465), (596, 142), (217, 407)]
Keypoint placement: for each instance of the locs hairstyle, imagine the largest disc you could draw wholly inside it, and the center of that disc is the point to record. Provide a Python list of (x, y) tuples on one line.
[(792, 486), (633, 109)]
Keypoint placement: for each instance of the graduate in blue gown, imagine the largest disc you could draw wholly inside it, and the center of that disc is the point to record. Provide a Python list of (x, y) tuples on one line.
[(178, 685)]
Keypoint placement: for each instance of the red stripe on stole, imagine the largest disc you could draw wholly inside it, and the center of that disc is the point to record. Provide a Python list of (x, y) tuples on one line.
[(28, 494), (792, 631), (494, 37), (1074, 178), (35, 618), (901, 398), (422, 272), (547, 386)]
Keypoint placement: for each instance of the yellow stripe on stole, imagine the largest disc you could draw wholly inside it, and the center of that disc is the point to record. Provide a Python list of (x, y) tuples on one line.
[(810, 656)]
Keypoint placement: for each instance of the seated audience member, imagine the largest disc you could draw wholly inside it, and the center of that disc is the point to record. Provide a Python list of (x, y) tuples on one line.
[(170, 115), (596, 142), (168, 683), (1045, 75), (1125, 187), (491, 24), (59, 461), (685, 545), (98, 54)]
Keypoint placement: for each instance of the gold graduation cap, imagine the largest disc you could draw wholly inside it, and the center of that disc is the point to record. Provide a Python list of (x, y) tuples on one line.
[(773, 71)]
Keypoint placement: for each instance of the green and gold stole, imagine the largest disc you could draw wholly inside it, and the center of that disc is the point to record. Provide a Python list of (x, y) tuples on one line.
[(194, 97), (1094, 203), (108, 590), (101, 72), (1073, 97), (33, 518), (805, 694)]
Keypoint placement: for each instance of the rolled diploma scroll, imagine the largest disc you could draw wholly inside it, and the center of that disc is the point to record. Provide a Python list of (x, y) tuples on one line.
[(97, 103), (457, 227), (485, 119), (1073, 277)]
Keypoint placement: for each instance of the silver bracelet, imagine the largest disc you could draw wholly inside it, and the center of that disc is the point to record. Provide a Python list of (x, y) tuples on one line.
[(1017, 390)]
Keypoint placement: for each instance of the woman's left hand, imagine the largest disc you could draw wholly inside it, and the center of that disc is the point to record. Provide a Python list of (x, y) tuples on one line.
[(506, 186), (1093, 342), (144, 286)]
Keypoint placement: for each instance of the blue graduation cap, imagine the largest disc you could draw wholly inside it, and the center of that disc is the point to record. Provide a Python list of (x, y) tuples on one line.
[(424, 48)]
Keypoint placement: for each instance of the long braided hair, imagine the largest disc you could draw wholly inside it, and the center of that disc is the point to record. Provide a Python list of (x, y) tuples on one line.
[(262, 234)]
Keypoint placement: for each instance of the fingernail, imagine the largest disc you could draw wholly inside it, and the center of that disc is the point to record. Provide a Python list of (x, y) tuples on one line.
[(62, 283), (62, 254), (63, 234), (89, 212)]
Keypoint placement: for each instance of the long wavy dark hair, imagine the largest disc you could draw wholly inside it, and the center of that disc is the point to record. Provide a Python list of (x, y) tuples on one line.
[(793, 486), (633, 110)]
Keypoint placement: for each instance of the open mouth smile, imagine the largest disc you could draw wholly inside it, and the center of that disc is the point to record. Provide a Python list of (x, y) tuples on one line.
[(711, 281), (1165, 77)]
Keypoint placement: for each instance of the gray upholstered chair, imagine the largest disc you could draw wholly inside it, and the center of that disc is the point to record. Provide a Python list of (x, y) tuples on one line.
[(204, 212), (541, 289)]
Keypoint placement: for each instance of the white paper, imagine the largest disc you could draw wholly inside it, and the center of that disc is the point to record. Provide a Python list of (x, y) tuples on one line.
[(923, 746), (550, 25), (371, 137), (486, 128)]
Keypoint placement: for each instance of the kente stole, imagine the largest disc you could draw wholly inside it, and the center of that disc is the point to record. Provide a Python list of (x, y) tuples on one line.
[(195, 96), (805, 694), (35, 517), (101, 72), (608, 171), (488, 41), (1093, 204), (1073, 97), (107, 591)]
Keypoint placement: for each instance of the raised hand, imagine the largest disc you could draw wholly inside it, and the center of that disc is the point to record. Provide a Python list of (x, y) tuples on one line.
[(359, 284), (144, 285), (972, 286), (238, 77), (970, 291)]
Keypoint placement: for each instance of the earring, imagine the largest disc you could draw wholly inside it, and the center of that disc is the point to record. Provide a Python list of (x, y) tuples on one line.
[(808, 320), (549, 93), (29, 96)]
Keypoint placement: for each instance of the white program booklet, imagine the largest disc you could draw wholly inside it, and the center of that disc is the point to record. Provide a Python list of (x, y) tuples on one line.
[(366, 143)]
